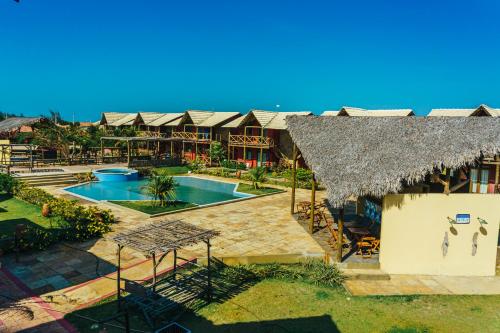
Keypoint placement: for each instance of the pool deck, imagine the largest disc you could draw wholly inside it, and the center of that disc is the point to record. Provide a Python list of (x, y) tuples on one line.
[(70, 276)]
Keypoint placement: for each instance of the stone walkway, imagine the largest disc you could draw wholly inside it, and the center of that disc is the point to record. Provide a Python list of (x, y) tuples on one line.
[(425, 285), (74, 275)]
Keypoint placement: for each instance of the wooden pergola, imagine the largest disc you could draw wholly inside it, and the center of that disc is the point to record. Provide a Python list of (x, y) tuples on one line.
[(130, 140), (157, 240)]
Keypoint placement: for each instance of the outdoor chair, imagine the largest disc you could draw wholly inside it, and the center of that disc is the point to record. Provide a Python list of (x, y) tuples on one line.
[(364, 249), (334, 235)]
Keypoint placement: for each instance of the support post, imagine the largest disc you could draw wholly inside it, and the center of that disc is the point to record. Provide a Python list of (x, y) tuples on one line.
[(175, 264), (128, 153), (209, 273), (294, 178), (340, 229), (261, 149), (154, 271), (497, 175), (118, 277), (102, 152), (313, 202)]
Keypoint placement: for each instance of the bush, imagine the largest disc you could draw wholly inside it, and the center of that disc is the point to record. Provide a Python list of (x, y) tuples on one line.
[(233, 165), (80, 222), (312, 271), (7, 183)]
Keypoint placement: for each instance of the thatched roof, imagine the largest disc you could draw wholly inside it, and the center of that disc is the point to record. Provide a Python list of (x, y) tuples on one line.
[(266, 119), (358, 112), (166, 119), (481, 110), (208, 118), (111, 118), (374, 155), (14, 123)]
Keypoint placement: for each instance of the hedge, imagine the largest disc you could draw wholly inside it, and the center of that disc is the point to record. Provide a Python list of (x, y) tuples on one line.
[(79, 223)]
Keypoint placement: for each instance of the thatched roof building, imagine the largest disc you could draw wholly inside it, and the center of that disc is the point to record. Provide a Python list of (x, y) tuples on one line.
[(348, 111), (375, 155), (481, 110)]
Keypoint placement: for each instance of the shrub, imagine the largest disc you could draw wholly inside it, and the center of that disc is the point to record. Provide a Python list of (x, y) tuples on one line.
[(7, 183), (233, 165), (80, 222), (312, 271)]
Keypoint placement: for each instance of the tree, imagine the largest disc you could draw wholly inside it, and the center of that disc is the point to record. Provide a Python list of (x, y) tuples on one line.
[(161, 188), (217, 153), (257, 175)]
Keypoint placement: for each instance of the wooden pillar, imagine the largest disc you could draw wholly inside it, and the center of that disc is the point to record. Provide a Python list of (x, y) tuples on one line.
[(118, 277), (128, 153), (209, 273), (244, 145), (340, 229), (447, 181), (497, 175), (175, 264), (102, 152), (171, 149), (261, 149), (154, 270), (313, 201), (294, 178)]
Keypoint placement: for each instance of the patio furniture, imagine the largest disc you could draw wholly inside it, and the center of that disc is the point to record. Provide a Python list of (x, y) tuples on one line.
[(334, 234), (364, 249)]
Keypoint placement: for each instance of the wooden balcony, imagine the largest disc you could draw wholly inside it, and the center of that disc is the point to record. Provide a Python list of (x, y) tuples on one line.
[(191, 136), (151, 134), (250, 141)]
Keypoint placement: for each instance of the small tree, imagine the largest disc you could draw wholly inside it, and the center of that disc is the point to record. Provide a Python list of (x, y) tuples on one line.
[(161, 188), (217, 153), (257, 175)]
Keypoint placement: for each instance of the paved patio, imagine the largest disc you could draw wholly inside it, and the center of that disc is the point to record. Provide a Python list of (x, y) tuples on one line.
[(73, 275)]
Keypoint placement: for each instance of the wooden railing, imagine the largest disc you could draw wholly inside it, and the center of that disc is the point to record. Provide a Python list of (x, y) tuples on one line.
[(191, 136), (250, 141), (151, 134)]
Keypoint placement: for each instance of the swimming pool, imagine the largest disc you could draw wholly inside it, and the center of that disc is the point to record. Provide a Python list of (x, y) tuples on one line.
[(194, 190)]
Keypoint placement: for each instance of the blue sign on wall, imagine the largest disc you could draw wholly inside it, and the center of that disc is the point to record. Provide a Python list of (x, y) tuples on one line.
[(463, 218)]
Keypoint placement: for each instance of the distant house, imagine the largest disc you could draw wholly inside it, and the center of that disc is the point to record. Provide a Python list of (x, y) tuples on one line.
[(117, 119), (359, 112), (157, 124), (260, 138), (197, 130), (482, 110), (11, 127)]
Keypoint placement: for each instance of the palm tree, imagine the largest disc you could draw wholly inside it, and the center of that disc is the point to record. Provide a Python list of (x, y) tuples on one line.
[(161, 188), (257, 175)]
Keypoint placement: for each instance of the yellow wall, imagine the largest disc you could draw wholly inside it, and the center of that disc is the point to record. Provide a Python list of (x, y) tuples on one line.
[(414, 227)]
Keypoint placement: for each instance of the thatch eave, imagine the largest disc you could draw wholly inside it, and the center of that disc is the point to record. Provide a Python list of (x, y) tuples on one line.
[(373, 156)]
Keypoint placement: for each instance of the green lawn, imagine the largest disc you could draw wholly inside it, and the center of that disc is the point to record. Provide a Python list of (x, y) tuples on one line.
[(287, 306), (148, 207), (14, 211), (247, 188), (174, 170)]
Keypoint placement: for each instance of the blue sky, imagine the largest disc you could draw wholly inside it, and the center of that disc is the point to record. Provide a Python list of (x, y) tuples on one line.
[(84, 57)]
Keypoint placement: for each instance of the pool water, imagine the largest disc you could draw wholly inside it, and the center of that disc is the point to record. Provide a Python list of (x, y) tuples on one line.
[(189, 189)]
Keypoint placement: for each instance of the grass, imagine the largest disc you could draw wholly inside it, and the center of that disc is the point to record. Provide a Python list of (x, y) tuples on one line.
[(288, 306), (248, 188), (148, 207), (174, 170), (14, 211)]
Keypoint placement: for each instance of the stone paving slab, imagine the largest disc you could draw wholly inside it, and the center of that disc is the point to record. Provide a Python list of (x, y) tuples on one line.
[(425, 285), (21, 311)]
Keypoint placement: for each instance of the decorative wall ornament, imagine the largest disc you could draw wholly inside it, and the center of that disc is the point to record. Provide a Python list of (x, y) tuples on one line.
[(445, 244), (474, 243)]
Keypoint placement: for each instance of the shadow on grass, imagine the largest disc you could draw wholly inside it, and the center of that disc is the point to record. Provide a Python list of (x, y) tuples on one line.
[(227, 282)]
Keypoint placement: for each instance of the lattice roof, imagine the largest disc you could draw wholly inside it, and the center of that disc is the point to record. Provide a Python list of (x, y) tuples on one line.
[(164, 236)]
